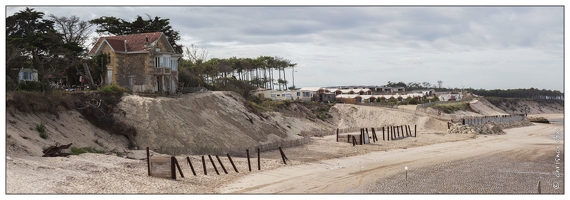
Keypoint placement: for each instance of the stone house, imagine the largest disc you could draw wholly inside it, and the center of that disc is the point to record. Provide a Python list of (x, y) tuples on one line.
[(144, 62)]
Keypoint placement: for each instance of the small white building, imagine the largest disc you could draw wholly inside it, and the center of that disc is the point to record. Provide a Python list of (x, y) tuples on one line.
[(302, 95), (27, 74), (293, 95), (450, 96)]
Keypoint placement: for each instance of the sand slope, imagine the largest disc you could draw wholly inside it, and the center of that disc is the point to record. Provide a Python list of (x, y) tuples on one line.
[(347, 115)]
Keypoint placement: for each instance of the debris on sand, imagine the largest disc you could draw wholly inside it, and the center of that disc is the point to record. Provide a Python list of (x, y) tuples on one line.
[(55, 151)]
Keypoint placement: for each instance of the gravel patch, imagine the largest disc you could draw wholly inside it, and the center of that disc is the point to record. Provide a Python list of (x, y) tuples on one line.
[(501, 173)]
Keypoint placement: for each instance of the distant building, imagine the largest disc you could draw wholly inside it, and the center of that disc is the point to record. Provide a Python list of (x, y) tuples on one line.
[(450, 96), (388, 90), (348, 98), (27, 74), (427, 92)]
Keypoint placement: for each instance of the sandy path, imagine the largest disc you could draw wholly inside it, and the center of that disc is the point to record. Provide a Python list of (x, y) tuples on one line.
[(348, 175)]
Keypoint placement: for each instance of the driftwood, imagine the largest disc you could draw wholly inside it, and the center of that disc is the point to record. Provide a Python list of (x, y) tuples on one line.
[(55, 151)]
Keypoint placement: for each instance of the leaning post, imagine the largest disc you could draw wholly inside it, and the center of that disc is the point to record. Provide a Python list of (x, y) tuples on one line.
[(148, 160)]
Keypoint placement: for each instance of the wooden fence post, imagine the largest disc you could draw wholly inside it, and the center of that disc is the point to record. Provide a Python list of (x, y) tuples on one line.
[(383, 137), (204, 165), (353, 141), (232, 162), (213, 164), (392, 136), (178, 167), (388, 133), (248, 163), (172, 168), (415, 129), (258, 159), (220, 161), (337, 135), (191, 167), (397, 132), (361, 137), (148, 160), (283, 156)]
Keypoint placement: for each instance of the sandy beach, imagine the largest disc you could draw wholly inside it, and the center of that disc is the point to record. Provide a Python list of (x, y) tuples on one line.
[(518, 149), (323, 166)]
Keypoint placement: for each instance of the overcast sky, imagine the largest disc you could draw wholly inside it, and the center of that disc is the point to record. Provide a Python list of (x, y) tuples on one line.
[(464, 46)]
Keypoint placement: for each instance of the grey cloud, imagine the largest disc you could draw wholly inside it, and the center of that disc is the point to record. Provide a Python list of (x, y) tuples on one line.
[(376, 40)]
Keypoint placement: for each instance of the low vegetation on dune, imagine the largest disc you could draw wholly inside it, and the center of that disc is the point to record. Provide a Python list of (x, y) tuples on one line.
[(452, 107), (310, 110), (538, 120), (96, 106)]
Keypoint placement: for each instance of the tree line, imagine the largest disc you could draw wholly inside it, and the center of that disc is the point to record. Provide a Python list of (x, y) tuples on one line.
[(228, 73), (56, 46), (531, 93)]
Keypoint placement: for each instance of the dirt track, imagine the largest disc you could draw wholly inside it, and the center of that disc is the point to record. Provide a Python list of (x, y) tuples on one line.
[(359, 173)]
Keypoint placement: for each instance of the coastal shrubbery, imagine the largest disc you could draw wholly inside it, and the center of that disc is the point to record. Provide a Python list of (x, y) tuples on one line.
[(452, 107)]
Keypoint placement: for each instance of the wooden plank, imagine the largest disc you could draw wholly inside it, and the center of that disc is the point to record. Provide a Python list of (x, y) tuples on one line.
[(160, 166)]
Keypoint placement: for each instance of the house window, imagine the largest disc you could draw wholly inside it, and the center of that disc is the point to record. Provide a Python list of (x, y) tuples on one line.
[(164, 61), (109, 76), (28, 76), (174, 64)]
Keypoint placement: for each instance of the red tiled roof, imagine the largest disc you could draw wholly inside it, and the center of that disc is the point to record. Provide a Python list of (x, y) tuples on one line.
[(134, 42)]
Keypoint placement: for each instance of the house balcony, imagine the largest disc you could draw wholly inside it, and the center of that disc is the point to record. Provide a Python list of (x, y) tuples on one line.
[(162, 71)]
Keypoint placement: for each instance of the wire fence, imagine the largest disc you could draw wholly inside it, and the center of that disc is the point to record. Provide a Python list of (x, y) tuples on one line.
[(317, 133), (425, 105), (496, 119), (232, 150), (377, 104)]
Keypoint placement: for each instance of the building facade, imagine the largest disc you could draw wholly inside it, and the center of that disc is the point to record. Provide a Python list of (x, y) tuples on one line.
[(144, 62)]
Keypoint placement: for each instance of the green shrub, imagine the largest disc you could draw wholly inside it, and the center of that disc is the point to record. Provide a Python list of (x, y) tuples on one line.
[(267, 105), (42, 130), (114, 88), (452, 107), (77, 151), (255, 99), (32, 86)]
